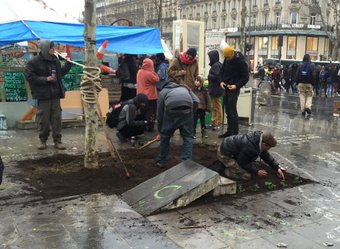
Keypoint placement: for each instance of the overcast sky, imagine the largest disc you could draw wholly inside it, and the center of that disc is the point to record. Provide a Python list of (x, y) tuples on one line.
[(72, 7)]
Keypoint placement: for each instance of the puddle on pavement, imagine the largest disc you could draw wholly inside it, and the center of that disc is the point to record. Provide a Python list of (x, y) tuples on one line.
[(64, 175)]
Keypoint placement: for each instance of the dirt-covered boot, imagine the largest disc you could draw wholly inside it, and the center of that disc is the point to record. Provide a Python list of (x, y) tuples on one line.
[(42, 146), (59, 146)]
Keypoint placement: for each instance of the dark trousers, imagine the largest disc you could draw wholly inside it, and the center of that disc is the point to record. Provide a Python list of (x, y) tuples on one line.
[(127, 93), (230, 105), (49, 115), (151, 114), (199, 114), (129, 131)]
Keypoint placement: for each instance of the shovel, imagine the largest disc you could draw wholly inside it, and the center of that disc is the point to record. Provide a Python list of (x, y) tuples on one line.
[(148, 144)]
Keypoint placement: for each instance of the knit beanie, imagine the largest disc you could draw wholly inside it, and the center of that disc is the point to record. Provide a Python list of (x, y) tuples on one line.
[(228, 52), (192, 52)]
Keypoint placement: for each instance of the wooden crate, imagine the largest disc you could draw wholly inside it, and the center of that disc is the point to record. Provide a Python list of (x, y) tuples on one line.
[(113, 86)]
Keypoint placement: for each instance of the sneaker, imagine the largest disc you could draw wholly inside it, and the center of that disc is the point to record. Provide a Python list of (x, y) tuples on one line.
[(42, 146), (59, 146), (303, 113), (215, 128), (308, 111)]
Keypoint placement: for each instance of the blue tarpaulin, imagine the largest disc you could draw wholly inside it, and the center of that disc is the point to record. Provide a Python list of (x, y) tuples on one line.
[(129, 40)]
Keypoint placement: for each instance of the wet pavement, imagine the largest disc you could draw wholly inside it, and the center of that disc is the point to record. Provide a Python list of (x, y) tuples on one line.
[(307, 216)]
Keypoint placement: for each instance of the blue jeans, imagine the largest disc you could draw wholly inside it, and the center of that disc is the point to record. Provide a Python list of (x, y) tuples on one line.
[(171, 122)]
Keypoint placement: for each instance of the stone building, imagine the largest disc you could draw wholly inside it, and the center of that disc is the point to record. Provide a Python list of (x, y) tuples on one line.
[(292, 24)]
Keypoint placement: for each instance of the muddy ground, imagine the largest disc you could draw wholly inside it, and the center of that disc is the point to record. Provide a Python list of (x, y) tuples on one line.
[(65, 175)]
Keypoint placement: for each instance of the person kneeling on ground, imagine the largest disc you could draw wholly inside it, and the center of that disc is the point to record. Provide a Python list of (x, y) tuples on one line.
[(239, 152), (131, 118)]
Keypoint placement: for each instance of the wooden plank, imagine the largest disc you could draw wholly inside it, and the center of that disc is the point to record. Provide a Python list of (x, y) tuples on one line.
[(139, 192), (188, 180)]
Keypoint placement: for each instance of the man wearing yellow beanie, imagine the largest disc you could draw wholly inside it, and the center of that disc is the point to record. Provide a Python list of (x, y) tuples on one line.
[(234, 75)]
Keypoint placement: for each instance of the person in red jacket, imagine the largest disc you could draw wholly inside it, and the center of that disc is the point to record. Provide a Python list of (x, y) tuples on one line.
[(147, 80)]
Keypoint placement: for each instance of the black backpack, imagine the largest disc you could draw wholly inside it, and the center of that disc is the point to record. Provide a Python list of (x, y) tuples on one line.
[(112, 117), (306, 73)]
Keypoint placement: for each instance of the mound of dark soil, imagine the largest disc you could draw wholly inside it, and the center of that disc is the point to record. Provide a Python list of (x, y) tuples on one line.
[(65, 175)]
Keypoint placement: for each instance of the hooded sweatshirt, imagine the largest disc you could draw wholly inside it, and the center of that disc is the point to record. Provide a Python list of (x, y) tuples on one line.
[(175, 97), (130, 110), (214, 76), (147, 80), (39, 68)]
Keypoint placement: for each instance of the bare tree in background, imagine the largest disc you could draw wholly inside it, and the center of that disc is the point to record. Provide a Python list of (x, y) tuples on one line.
[(158, 8), (327, 12), (243, 26)]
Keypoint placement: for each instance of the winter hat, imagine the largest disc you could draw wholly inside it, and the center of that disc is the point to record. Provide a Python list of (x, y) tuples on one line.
[(228, 52), (192, 52)]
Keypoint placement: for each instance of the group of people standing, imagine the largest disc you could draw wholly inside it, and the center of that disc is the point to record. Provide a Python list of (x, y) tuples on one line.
[(171, 94)]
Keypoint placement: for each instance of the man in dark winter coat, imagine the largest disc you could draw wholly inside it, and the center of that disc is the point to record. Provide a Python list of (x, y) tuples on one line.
[(234, 75), (305, 79), (175, 109), (131, 118), (215, 91), (44, 73), (239, 152)]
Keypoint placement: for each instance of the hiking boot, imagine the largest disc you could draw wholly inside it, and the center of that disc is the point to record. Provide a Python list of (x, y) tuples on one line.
[(59, 146), (42, 146), (303, 113), (237, 174)]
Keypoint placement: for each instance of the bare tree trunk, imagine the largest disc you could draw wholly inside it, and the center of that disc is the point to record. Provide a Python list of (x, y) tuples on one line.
[(91, 118), (243, 26)]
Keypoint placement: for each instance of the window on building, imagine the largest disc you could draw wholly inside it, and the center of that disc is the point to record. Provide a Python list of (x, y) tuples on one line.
[(274, 44), (291, 43), (253, 2), (265, 20), (263, 42), (312, 19), (254, 21), (225, 4), (294, 17), (234, 4), (277, 18), (312, 44)]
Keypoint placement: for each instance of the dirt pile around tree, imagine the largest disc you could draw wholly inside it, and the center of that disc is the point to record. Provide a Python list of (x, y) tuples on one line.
[(65, 175)]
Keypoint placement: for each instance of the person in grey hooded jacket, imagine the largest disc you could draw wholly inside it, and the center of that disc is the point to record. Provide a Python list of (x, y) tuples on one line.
[(44, 73), (175, 109)]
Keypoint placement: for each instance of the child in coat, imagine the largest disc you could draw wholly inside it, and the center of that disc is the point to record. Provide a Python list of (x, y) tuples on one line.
[(203, 106)]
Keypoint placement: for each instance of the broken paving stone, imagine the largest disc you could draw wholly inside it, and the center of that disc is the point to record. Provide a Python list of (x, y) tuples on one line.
[(328, 244), (281, 245)]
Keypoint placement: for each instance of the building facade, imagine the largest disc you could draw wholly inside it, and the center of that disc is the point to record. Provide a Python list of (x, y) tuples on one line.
[(274, 28)]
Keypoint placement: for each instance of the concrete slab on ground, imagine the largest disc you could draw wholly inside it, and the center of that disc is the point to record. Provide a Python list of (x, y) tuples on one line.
[(174, 188)]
